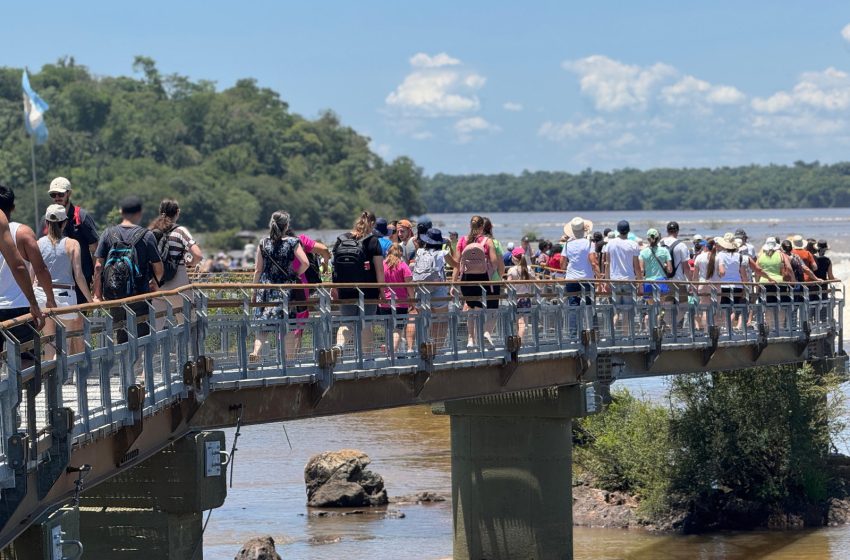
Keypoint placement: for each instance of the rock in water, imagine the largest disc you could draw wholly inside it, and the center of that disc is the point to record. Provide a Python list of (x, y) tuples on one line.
[(340, 479), (258, 548)]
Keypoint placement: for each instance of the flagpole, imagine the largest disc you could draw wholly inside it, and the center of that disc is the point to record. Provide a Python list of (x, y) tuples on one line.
[(34, 182)]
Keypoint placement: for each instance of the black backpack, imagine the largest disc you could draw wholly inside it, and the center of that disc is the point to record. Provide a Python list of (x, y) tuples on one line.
[(121, 269), (351, 264), (313, 272), (674, 264), (169, 263)]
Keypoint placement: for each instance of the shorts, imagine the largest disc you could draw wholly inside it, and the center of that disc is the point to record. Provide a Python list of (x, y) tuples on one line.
[(734, 296), (353, 310), (140, 308), (65, 297), (473, 294), (400, 312)]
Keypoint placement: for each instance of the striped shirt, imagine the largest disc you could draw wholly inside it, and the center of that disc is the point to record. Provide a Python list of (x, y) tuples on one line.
[(179, 242)]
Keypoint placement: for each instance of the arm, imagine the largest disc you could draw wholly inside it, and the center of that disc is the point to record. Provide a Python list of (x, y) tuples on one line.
[(28, 247), (19, 270), (758, 272), (378, 263), (302, 264), (258, 265), (638, 266), (495, 262), (641, 267), (98, 271), (74, 251), (411, 292), (668, 265), (594, 264), (197, 254), (322, 250), (157, 270)]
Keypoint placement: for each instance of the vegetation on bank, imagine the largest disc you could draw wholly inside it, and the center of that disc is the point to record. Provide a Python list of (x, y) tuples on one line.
[(731, 448), (230, 157), (802, 185)]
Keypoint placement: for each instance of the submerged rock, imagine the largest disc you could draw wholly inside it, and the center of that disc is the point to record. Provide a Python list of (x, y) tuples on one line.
[(258, 548), (418, 498), (340, 479)]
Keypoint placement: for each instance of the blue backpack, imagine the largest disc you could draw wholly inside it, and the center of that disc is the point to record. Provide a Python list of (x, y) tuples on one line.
[(121, 269)]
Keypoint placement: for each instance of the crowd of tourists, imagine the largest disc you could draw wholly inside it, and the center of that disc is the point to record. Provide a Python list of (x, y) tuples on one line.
[(68, 262)]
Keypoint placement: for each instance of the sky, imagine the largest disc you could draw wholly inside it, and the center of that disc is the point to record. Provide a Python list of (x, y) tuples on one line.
[(493, 86)]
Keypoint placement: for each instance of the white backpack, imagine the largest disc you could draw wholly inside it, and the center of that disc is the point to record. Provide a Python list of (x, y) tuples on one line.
[(426, 268)]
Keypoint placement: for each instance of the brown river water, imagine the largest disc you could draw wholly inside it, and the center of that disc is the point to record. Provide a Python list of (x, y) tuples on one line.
[(409, 447)]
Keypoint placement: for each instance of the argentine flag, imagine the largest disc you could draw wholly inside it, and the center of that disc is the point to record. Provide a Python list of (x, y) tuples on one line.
[(34, 109)]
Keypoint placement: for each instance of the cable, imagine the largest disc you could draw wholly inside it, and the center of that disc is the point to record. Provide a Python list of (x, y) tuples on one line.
[(233, 448)]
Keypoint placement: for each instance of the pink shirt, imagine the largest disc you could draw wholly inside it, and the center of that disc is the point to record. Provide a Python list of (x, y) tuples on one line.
[(400, 273)]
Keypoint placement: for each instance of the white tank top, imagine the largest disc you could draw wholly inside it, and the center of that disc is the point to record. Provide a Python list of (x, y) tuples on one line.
[(11, 296)]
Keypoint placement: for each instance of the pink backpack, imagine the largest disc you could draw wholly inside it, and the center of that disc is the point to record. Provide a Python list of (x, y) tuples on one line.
[(473, 259)]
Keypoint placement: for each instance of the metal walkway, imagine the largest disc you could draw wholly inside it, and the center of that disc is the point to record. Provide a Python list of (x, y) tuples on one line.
[(111, 405)]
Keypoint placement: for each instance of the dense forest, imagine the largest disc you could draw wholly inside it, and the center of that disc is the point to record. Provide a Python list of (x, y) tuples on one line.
[(803, 185), (230, 157)]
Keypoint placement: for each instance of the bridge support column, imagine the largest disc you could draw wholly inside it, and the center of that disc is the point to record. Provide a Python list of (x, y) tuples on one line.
[(512, 474), (154, 510)]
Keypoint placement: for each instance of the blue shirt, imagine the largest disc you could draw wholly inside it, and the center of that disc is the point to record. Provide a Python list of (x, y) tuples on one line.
[(386, 243)]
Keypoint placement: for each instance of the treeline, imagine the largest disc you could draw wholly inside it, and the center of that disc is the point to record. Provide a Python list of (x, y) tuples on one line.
[(803, 185), (230, 157)]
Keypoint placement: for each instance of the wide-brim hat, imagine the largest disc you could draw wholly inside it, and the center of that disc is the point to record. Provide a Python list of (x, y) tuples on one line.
[(432, 237), (798, 242), (726, 242), (578, 227)]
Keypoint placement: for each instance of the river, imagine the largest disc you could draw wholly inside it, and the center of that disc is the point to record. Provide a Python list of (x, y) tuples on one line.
[(409, 447)]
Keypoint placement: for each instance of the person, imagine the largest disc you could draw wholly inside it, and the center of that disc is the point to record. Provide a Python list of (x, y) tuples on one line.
[(777, 271), (280, 259), (17, 297), (521, 271), (656, 263), (705, 251), (746, 248), (182, 251), (508, 256), (430, 266), (731, 271), (824, 263), (61, 255), (582, 263), (451, 246), (499, 272), (397, 271), (147, 263), (680, 262), (79, 227), (477, 260), (405, 239), (382, 232), (799, 268), (358, 259), (556, 263), (623, 266)]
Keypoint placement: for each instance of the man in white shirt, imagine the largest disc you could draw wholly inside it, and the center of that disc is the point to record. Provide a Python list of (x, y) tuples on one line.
[(682, 272), (623, 264)]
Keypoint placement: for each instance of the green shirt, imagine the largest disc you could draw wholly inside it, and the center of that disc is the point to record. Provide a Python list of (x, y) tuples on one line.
[(653, 269)]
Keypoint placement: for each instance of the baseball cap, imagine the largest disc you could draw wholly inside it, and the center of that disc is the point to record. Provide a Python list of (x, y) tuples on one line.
[(510, 246), (740, 233), (518, 252), (381, 227), (652, 233), (405, 223), (131, 204), (59, 185), (623, 226), (55, 213), (672, 226)]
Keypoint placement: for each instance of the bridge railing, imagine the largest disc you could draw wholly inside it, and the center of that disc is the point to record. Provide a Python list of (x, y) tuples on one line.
[(118, 361)]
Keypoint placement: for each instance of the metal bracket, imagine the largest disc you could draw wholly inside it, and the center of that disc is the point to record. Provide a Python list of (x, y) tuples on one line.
[(761, 341), (419, 379), (127, 435), (17, 453), (48, 472), (807, 337), (714, 336)]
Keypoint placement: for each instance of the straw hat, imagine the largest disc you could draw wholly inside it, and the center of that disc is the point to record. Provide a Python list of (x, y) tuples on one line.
[(578, 227), (727, 241), (798, 242)]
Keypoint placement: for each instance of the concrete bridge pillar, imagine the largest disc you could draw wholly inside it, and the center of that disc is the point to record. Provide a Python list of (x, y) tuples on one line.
[(154, 510), (512, 474)]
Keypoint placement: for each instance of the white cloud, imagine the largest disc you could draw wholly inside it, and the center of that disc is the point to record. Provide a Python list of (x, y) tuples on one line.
[(467, 127), (613, 85), (690, 91), (434, 90), (820, 91), (845, 32), (592, 127), (422, 135), (512, 106), (422, 60)]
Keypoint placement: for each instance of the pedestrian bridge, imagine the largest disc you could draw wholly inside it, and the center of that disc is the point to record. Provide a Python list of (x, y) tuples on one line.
[(111, 405)]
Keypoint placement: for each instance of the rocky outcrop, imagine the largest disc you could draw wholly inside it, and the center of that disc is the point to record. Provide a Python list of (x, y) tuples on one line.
[(838, 512), (418, 498), (340, 479), (593, 507), (258, 548)]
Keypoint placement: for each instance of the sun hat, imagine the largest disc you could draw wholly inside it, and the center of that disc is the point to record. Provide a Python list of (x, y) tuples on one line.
[(770, 244), (59, 185), (517, 252), (798, 242), (56, 213), (822, 244), (381, 227), (510, 246), (652, 233), (727, 241), (741, 233), (432, 237), (623, 227), (578, 227)]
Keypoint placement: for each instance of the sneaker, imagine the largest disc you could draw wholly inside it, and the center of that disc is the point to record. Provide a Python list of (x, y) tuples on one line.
[(470, 346), (488, 340)]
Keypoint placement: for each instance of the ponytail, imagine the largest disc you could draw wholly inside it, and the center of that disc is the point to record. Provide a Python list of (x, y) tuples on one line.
[(364, 225)]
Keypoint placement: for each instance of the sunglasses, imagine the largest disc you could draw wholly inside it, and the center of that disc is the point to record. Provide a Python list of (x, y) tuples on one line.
[(56, 195)]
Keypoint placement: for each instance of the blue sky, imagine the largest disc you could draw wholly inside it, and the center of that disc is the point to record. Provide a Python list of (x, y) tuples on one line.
[(466, 87)]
